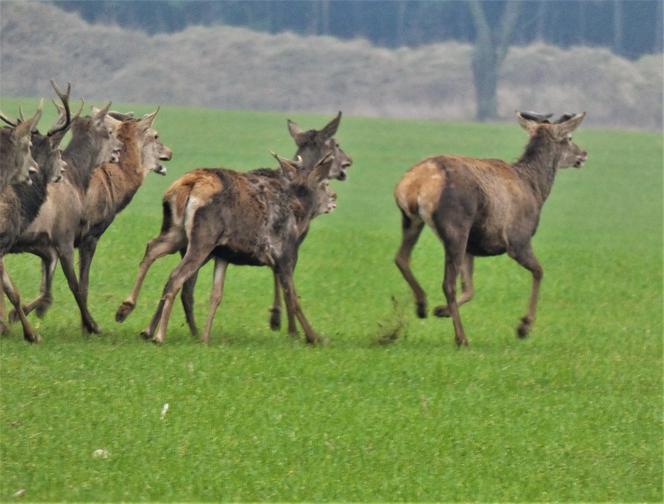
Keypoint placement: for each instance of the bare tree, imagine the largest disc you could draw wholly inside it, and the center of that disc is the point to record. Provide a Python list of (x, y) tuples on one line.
[(491, 45)]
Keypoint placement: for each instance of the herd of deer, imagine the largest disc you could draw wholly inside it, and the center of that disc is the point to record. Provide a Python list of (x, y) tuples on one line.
[(55, 200)]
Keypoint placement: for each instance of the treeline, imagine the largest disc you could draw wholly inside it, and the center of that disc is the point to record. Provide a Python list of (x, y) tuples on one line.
[(630, 28)]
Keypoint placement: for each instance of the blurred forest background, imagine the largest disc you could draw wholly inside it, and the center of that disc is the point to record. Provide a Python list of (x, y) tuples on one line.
[(440, 59)]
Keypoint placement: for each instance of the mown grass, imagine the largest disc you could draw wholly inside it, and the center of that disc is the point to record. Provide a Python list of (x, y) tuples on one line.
[(572, 413)]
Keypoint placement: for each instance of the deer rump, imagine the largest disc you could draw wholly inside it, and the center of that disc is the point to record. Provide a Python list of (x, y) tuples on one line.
[(244, 213)]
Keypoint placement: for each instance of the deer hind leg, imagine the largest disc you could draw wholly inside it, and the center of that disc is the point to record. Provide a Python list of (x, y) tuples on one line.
[(216, 295), (164, 244), (42, 303), (187, 298), (29, 333), (467, 288), (190, 264), (411, 229), (526, 258)]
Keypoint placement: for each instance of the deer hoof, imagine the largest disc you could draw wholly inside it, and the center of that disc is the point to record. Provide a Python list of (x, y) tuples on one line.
[(524, 328), (441, 311), (275, 319), (146, 335), (32, 337), (461, 342), (421, 309), (41, 308), (123, 311), (91, 328)]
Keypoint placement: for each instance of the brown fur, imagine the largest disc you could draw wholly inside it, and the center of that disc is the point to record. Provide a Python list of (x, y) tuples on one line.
[(312, 145), (483, 207), (249, 220), (111, 188)]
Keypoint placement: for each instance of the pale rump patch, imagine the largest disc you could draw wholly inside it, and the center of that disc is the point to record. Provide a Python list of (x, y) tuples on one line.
[(419, 190), (198, 184)]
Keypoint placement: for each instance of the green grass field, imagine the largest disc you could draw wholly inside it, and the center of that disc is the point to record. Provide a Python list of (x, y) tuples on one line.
[(574, 413)]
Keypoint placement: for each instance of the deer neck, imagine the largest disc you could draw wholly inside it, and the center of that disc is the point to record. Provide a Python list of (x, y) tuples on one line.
[(80, 156), (537, 167), (130, 161)]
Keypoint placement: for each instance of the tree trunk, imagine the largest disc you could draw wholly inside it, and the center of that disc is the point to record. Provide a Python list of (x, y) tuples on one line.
[(490, 50)]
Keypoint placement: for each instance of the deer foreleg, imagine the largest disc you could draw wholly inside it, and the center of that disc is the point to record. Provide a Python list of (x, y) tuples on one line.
[(293, 305), (275, 311), (14, 297), (216, 295), (527, 259)]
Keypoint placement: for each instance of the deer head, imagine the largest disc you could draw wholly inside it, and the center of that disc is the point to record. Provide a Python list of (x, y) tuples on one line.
[(558, 136), (313, 145)]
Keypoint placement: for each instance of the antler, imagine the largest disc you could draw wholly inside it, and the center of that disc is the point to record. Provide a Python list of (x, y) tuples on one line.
[(6, 119), (565, 117), (63, 122), (536, 116)]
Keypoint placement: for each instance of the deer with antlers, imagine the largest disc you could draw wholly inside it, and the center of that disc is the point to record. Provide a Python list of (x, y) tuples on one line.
[(484, 207), (20, 202), (53, 232), (237, 218), (312, 145)]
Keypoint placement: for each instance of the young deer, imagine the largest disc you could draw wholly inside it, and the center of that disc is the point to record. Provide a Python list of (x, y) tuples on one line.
[(312, 145), (484, 207), (237, 218)]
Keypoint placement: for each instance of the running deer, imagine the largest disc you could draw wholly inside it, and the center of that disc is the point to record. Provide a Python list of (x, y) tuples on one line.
[(484, 207), (312, 145), (53, 232), (20, 202), (237, 218), (112, 187)]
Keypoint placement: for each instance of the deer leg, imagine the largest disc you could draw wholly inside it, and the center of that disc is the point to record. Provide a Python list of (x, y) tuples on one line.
[(452, 267), (187, 298), (275, 311), (3, 326), (526, 258), (86, 252), (467, 288), (293, 305), (162, 245), (66, 255), (216, 295), (411, 229), (3, 311), (190, 263), (29, 333), (42, 303)]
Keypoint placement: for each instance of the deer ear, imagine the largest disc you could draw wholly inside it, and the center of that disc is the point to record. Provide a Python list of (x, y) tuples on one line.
[(330, 128), (321, 170), (288, 167), (100, 113), (296, 132), (564, 128), (527, 124), (146, 121)]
